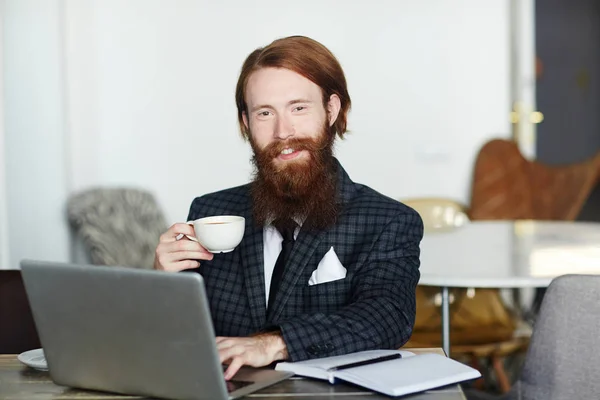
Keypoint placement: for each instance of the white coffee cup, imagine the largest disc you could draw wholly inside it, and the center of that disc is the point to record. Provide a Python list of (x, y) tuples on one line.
[(219, 233)]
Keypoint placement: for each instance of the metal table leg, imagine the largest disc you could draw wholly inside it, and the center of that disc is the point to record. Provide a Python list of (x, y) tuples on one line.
[(445, 321)]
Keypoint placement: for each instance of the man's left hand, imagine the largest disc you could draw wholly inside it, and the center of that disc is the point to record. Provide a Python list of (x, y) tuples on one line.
[(255, 351)]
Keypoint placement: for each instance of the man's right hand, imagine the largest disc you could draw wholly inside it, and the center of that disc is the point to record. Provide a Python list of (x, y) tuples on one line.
[(176, 255)]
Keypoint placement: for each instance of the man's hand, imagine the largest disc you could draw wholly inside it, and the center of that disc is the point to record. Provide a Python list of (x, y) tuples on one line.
[(176, 255), (255, 351)]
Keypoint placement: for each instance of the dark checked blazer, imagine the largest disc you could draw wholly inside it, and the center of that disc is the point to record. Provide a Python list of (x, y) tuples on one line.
[(376, 239)]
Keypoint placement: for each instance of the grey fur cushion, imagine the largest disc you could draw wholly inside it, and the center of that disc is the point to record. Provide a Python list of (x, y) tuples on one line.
[(118, 226)]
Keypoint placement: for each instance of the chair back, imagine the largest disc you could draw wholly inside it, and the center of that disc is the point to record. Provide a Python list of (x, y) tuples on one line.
[(17, 328), (438, 213), (562, 360), (118, 226), (508, 186)]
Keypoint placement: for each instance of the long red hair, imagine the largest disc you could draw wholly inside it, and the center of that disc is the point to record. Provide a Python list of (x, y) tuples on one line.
[(306, 57)]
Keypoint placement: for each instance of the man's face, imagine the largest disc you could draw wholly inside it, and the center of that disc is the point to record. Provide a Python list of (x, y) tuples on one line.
[(285, 110), (293, 148)]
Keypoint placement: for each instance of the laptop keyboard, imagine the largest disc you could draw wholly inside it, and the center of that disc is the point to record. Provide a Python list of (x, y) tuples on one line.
[(235, 385)]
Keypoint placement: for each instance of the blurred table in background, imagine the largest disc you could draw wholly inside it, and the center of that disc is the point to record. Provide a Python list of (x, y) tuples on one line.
[(506, 254)]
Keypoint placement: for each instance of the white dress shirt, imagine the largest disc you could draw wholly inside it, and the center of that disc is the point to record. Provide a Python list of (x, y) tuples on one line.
[(271, 248)]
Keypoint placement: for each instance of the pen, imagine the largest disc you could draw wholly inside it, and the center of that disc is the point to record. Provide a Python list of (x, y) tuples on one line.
[(366, 362)]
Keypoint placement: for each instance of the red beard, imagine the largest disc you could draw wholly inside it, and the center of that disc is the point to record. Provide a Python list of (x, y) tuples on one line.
[(301, 189)]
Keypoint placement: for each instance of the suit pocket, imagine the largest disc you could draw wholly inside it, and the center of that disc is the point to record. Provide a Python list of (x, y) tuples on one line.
[(327, 297)]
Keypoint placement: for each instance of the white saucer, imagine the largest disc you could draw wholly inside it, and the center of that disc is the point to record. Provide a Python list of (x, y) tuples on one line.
[(34, 359)]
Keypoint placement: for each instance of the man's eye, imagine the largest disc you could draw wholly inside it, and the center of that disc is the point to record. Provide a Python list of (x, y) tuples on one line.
[(300, 108), (264, 113)]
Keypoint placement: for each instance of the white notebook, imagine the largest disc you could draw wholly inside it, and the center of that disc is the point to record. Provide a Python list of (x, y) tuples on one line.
[(396, 377)]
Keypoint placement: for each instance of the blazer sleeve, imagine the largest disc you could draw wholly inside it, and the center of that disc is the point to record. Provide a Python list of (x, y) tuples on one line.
[(381, 312)]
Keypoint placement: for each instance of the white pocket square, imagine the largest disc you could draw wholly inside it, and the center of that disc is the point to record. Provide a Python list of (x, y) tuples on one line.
[(329, 269)]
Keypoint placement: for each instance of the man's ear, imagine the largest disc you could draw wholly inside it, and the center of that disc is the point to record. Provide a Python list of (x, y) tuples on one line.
[(245, 119), (333, 108)]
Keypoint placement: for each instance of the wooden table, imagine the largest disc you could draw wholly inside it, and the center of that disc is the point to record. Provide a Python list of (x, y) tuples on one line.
[(18, 382)]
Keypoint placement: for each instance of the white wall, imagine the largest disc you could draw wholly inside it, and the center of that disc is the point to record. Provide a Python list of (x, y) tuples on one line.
[(4, 257), (141, 92), (34, 130), (150, 90)]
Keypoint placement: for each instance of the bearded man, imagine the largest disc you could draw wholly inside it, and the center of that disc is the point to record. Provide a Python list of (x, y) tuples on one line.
[(326, 266)]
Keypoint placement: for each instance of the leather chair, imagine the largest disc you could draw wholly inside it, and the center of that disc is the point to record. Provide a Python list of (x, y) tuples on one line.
[(506, 186)]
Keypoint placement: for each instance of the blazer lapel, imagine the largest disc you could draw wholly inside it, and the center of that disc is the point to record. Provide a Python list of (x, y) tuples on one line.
[(252, 258)]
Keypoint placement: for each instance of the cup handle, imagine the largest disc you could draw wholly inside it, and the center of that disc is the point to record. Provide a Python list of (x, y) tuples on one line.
[(180, 236)]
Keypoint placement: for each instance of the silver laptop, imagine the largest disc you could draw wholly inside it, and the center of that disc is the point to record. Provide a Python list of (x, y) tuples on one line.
[(132, 331)]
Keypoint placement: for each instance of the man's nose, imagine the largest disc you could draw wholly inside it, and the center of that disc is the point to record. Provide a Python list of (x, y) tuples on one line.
[(284, 128)]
